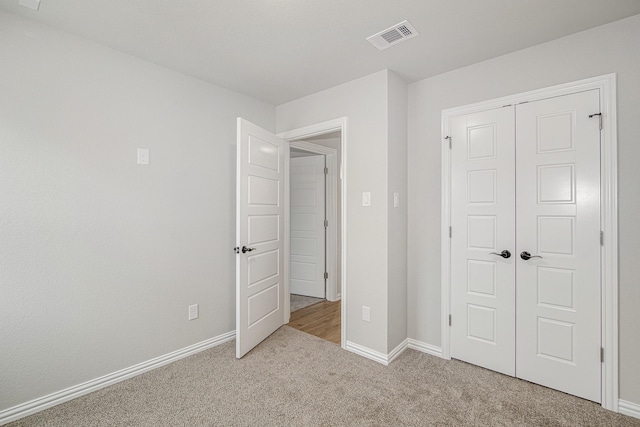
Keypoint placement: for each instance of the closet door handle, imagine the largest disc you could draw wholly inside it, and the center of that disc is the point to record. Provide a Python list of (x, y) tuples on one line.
[(504, 254), (526, 255)]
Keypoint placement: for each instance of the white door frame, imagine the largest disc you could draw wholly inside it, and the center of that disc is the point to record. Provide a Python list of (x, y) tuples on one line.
[(331, 213), (608, 216), (308, 132)]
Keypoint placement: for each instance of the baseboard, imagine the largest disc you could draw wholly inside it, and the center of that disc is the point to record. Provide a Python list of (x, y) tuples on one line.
[(368, 353), (424, 347), (37, 405), (376, 356), (629, 408), (397, 351)]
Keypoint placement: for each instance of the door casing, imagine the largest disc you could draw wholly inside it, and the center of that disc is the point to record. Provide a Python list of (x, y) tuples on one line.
[(339, 124), (609, 213)]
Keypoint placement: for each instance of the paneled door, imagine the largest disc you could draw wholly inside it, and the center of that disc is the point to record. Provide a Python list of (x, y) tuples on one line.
[(307, 207), (558, 243), (260, 227), (483, 244), (525, 242)]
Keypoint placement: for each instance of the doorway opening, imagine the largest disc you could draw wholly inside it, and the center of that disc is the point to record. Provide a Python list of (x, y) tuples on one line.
[(315, 289)]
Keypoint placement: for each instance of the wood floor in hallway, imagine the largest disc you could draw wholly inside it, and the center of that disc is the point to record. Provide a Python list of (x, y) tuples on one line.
[(321, 319)]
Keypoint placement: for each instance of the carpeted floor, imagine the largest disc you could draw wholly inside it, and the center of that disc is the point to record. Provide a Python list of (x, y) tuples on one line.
[(301, 301), (295, 379)]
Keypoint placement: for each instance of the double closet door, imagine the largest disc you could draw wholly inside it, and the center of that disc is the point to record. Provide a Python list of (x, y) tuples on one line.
[(525, 243)]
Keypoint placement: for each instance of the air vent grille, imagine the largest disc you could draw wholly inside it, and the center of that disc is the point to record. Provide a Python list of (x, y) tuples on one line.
[(394, 35)]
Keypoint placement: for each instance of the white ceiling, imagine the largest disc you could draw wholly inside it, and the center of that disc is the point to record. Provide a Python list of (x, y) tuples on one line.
[(280, 50)]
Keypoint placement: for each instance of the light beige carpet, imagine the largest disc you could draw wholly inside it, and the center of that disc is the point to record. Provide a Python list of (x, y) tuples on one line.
[(295, 379), (301, 301)]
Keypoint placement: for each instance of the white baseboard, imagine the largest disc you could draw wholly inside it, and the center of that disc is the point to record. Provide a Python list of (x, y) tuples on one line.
[(424, 347), (397, 351), (629, 408), (376, 356), (37, 405), (367, 352)]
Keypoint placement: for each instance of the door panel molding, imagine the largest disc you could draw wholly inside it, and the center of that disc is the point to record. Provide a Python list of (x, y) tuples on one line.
[(609, 213)]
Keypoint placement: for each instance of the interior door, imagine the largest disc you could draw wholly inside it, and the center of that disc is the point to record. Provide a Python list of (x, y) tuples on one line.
[(558, 224), (482, 239), (307, 205), (260, 178)]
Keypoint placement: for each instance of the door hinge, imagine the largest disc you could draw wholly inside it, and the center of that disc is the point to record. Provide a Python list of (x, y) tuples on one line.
[(601, 354), (326, 275), (449, 138), (599, 118), (326, 171), (449, 320), (602, 238), (450, 232), (326, 223)]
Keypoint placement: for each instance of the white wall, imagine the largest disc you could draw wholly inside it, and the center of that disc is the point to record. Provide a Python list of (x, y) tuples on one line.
[(364, 102), (376, 107), (100, 257), (607, 49), (397, 226)]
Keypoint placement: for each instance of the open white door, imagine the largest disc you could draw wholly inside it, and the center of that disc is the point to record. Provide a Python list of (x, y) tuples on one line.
[(260, 198)]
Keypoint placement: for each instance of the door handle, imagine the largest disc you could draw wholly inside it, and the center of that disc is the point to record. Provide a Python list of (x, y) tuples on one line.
[(504, 254), (526, 255), (244, 249)]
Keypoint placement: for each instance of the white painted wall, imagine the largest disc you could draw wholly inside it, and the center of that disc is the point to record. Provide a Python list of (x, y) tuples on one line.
[(397, 224), (364, 102), (100, 257), (607, 49)]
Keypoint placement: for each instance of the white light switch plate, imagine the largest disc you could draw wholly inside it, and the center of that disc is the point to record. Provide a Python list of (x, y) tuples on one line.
[(143, 156), (366, 198), (396, 200), (366, 313), (193, 311)]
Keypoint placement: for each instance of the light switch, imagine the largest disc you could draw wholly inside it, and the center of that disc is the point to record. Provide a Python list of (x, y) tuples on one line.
[(366, 313), (396, 200), (366, 198), (143, 156)]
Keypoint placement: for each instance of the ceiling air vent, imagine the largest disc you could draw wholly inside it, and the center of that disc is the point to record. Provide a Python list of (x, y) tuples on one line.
[(394, 35)]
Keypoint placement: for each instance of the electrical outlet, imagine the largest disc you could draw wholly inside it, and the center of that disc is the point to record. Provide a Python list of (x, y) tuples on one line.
[(366, 313), (143, 156), (193, 311)]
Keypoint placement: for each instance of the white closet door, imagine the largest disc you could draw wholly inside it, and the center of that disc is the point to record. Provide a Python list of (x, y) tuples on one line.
[(483, 213), (558, 219), (307, 184)]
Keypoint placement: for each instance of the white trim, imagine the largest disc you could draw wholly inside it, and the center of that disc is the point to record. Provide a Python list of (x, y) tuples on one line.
[(376, 356), (331, 211), (629, 408), (307, 132), (398, 350), (42, 403), (609, 216), (425, 348)]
